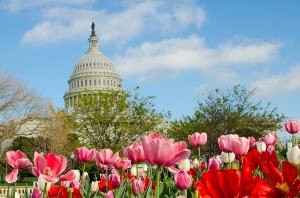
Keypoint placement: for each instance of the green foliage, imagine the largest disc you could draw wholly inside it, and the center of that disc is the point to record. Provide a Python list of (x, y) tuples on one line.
[(232, 111), (112, 119)]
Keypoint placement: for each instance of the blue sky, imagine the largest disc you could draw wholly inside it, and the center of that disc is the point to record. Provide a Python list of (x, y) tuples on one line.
[(174, 50)]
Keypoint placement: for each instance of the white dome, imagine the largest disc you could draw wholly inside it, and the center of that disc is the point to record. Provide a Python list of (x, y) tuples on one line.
[(93, 71)]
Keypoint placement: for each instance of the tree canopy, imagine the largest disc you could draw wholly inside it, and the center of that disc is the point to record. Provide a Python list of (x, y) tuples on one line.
[(113, 119), (231, 111)]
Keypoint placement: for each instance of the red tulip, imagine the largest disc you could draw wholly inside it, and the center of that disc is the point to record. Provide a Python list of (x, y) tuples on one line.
[(197, 139), (84, 154), (105, 158), (225, 142), (50, 167), (164, 152), (17, 160), (183, 180), (292, 126), (135, 153)]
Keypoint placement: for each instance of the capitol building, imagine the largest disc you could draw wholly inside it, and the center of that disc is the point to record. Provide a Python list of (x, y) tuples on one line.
[(93, 71)]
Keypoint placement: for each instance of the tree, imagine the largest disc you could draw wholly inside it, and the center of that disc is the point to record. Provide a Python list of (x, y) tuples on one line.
[(114, 119), (232, 111), (58, 134), (19, 105)]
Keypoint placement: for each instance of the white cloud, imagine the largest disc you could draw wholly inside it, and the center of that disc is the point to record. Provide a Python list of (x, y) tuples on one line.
[(277, 84), (19, 5), (179, 54), (63, 23)]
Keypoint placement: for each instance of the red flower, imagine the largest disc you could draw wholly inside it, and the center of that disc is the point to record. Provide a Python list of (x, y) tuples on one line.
[(62, 192), (104, 185), (287, 181)]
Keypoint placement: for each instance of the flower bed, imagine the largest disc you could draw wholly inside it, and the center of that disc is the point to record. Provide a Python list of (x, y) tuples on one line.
[(159, 167)]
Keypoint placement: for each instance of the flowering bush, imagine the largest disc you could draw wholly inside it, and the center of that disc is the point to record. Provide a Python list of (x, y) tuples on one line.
[(159, 167)]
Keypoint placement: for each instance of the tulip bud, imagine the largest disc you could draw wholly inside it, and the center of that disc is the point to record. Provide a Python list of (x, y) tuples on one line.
[(195, 163), (114, 179), (109, 194), (183, 180), (133, 171), (227, 157), (261, 146), (94, 186), (293, 155), (145, 167), (185, 165)]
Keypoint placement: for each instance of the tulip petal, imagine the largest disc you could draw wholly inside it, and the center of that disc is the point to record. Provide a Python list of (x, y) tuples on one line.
[(13, 176), (68, 176)]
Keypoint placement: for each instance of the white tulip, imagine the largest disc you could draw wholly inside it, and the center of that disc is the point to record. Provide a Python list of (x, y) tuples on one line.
[(94, 186), (261, 146), (184, 165), (227, 157), (195, 163), (145, 167), (293, 155), (133, 171)]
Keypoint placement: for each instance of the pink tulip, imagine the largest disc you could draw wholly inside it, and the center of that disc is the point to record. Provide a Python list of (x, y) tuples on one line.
[(252, 142), (135, 153), (292, 126), (75, 184), (84, 154), (105, 158), (17, 160), (269, 139), (164, 152), (114, 179), (240, 146), (198, 139), (36, 193), (109, 194), (138, 186), (183, 180), (122, 163), (213, 164), (225, 142), (50, 167)]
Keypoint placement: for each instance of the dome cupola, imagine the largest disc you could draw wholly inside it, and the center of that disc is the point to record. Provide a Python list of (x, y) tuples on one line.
[(93, 71)]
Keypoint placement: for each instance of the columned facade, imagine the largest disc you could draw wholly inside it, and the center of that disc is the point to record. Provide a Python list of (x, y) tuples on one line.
[(93, 71)]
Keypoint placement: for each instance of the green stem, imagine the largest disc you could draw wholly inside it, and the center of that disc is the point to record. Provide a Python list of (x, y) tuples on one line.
[(199, 151), (158, 173), (229, 165), (45, 191), (70, 192)]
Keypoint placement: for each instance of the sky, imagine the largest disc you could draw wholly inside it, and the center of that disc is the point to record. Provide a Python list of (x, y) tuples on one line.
[(174, 50)]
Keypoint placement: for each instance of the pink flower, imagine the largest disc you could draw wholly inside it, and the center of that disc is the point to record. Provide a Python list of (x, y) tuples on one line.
[(252, 142), (122, 163), (198, 139), (17, 160), (139, 186), (240, 146), (292, 126), (105, 158), (213, 164), (183, 180), (135, 153), (114, 179), (50, 167), (270, 141), (225, 142), (84, 154), (109, 194), (164, 152), (36, 193)]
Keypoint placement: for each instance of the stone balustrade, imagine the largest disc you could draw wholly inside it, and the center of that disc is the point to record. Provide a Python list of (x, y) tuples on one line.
[(20, 189)]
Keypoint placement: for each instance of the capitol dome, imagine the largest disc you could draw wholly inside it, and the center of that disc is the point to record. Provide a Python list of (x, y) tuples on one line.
[(93, 71)]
